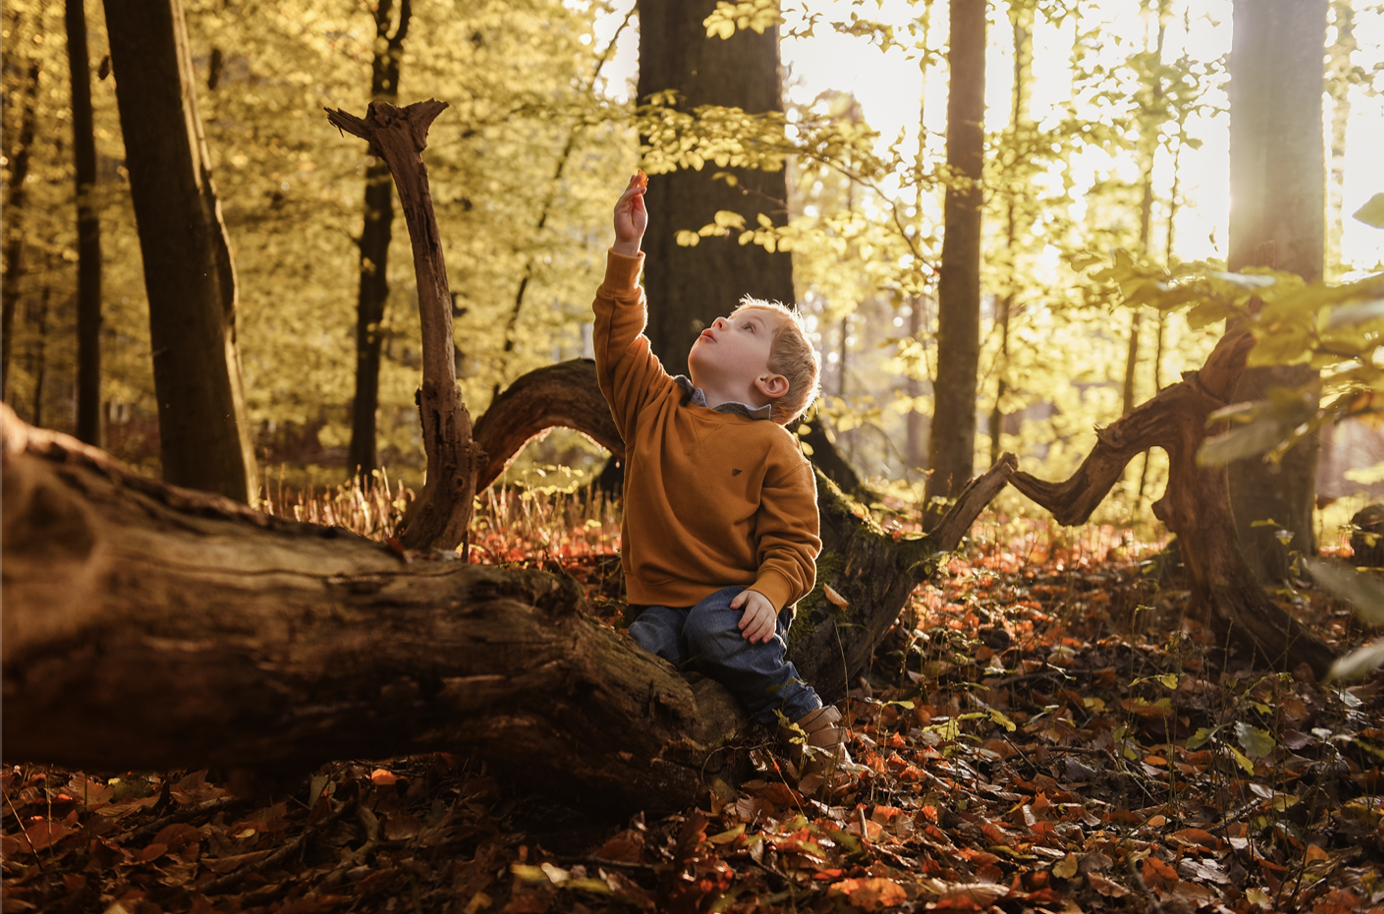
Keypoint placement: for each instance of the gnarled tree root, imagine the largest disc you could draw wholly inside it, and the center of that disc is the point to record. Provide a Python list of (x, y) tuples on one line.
[(1196, 507)]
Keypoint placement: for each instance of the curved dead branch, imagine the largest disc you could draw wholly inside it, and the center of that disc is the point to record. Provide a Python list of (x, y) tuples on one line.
[(1195, 506)]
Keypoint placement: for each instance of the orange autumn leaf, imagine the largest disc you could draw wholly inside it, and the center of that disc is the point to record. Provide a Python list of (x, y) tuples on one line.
[(871, 894)]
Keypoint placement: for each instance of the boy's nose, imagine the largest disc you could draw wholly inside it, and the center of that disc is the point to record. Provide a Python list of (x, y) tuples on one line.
[(720, 323)]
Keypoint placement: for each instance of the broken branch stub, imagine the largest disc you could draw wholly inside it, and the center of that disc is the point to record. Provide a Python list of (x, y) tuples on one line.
[(442, 513)]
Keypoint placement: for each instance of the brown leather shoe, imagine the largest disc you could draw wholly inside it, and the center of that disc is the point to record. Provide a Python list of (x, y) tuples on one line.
[(815, 742)]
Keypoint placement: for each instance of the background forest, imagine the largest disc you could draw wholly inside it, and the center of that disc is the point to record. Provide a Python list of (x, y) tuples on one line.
[(1105, 136)]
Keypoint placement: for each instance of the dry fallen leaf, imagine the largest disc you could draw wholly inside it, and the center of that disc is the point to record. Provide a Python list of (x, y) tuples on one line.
[(833, 597)]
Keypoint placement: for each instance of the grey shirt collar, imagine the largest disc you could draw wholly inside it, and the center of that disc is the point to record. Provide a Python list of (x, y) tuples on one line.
[(696, 397)]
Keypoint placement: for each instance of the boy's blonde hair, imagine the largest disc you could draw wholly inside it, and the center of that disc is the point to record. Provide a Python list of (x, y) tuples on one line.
[(791, 355)]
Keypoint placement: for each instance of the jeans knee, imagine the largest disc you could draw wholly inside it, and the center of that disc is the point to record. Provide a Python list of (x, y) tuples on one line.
[(713, 627)]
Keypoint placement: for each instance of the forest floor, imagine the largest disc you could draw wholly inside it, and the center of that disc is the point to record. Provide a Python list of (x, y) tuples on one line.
[(1045, 729)]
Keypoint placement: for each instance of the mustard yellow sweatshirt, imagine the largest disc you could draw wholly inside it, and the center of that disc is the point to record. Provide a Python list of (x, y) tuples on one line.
[(712, 498)]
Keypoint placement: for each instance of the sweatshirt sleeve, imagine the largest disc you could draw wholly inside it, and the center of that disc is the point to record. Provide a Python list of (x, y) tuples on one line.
[(629, 373), (788, 534)]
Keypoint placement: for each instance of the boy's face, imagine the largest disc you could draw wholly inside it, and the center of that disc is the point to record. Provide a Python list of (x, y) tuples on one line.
[(733, 353)]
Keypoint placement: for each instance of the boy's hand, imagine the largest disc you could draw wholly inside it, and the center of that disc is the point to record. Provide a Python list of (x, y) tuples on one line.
[(631, 218), (759, 621)]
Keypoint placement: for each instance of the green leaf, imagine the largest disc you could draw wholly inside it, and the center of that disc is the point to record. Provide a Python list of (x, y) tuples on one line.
[(1200, 738), (1241, 442), (1359, 662), (1256, 742), (1241, 759), (1003, 721), (1362, 591), (1357, 313), (1372, 213)]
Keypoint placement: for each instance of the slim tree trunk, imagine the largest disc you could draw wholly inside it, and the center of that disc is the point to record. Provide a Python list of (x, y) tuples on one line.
[(1277, 218), (952, 442), (375, 237), (38, 352), (14, 209), (204, 439), (88, 231), (1339, 81), (688, 287), (1020, 19)]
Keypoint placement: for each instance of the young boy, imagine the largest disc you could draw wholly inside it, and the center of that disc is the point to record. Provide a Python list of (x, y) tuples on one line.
[(720, 530)]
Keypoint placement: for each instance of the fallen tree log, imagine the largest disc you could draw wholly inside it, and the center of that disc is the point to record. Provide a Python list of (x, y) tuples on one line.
[(151, 627), (1195, 506)]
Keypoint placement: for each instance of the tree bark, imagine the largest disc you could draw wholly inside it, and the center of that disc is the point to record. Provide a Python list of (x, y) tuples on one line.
[(692, 286), (1195, 506), (88, 231), (442, 513), (564, 395), (148, 626), (951, 451), (14, 230), (1277, 218), (375, 237), (204, 438)]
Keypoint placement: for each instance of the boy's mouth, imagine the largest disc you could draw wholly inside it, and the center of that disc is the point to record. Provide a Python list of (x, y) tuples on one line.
[(706, 335)]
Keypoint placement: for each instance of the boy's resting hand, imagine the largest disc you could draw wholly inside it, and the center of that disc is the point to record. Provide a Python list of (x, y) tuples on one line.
[(631, 218), (759, 621)]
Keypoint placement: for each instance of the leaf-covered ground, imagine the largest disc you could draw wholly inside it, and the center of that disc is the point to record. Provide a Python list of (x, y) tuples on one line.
[(1043, 731)]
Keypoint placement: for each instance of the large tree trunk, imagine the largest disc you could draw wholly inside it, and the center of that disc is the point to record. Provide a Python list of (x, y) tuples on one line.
[(88, 231), (1277, 219), (689, 287), (204, 438), (951, 446), (442, 513), (148, 626), (375, 237), (1195, 506), (16, 192)]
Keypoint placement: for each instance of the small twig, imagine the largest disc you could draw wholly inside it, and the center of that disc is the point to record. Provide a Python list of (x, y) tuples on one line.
[(371, 825), (231, 880), (23, 831), (181, 815)]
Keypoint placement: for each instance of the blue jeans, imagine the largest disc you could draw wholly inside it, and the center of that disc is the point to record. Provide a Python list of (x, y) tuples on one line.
[(706, 639)]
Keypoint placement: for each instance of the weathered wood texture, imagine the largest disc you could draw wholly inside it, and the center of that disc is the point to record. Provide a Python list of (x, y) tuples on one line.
[(1195, 506), (564, 395), (147, 626), (442, 513)]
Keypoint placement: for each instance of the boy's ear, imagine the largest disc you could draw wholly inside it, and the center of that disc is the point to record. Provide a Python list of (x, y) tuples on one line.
[(772, 386)]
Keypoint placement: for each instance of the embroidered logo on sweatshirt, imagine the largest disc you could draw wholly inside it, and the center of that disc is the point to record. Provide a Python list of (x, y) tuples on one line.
[(736, 472)]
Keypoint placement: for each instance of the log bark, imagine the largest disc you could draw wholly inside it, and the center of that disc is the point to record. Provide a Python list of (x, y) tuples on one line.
[(1195, 506), (564, 395), (442, 513), (148, 626)]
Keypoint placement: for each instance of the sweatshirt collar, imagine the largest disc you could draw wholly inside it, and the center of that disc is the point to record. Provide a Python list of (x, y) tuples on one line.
[(696, 397)]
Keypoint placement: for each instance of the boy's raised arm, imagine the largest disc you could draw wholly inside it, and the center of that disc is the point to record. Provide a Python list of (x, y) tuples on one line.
[(628, 372)]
